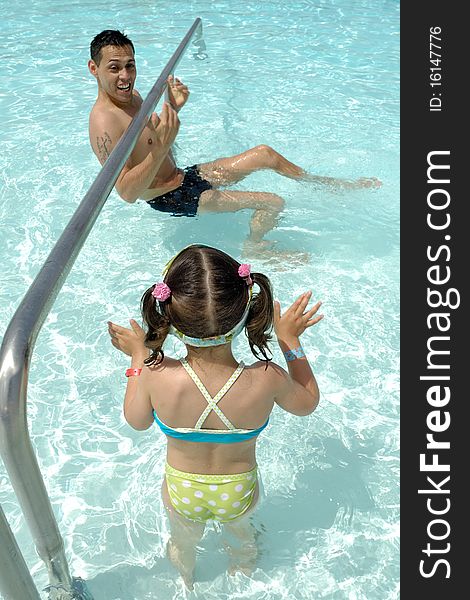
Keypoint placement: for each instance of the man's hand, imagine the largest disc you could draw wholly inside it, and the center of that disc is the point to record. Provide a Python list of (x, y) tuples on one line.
[(166, 125), (178, 93)]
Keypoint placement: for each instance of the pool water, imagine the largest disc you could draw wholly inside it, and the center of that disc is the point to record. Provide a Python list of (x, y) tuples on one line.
[(319, 82)]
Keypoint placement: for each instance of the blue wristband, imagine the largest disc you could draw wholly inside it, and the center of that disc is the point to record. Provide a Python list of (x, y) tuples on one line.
[(290, 355)]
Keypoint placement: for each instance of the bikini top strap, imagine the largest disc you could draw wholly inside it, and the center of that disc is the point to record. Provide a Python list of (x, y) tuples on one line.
[(212, 401)]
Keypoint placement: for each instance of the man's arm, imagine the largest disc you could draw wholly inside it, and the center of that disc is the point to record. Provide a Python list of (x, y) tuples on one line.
[(106, 131)]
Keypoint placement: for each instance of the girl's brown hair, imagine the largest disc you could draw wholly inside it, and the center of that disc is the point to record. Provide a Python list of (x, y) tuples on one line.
[(208, 298)]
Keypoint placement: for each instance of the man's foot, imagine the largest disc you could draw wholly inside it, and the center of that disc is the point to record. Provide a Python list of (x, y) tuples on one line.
[(174, 556), (366, 182), (343, 184), (266, 251)]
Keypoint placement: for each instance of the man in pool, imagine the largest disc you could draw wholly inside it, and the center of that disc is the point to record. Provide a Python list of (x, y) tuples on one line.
[(151, 173)]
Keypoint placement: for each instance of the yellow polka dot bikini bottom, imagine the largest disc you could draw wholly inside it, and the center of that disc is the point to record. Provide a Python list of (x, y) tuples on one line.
[(202, 497)]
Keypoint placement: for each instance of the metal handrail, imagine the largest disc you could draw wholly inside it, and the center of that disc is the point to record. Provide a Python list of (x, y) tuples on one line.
[(19, 584), (18, 343)]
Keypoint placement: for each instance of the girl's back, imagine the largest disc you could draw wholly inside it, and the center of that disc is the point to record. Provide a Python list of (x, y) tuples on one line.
[(178, 403)]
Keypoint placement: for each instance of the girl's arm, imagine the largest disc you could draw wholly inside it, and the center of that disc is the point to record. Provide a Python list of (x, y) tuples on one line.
[(137, 404), (298, 393)]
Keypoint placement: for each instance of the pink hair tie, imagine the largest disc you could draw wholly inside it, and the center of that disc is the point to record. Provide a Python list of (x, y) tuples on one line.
[(161, 292), (244, 271)]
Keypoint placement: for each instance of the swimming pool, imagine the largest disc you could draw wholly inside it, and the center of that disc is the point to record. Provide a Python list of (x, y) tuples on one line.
[(317, 81)]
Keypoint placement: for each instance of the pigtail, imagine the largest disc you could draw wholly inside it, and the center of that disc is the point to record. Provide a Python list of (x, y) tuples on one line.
[(158, 326), (260, 318)]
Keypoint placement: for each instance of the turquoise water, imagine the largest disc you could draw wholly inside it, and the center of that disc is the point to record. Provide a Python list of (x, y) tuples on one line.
[(319, 82)]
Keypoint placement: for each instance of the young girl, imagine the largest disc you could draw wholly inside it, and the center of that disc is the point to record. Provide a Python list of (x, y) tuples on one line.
[(211, 407)]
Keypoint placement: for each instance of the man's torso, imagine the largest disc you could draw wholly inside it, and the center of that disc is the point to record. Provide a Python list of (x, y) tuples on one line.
[(168, 177)]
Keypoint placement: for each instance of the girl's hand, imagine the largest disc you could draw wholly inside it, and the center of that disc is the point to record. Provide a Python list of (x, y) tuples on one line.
[(296, 319), (129, 341)]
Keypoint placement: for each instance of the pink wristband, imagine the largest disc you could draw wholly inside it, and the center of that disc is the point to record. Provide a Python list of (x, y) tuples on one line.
[(133, 372)]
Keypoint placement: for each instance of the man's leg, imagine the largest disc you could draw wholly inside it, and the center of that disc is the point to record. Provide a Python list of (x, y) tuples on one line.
[(266, 206), (182, 545), (225, 171)]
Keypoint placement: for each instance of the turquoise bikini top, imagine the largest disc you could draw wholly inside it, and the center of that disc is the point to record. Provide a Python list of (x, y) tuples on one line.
[(215, 436)]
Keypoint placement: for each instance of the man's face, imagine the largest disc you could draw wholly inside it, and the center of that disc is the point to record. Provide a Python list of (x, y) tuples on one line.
[(116, 72)]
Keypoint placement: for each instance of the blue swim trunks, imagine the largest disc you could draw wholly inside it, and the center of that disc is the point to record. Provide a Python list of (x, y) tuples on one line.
[(184, 200)]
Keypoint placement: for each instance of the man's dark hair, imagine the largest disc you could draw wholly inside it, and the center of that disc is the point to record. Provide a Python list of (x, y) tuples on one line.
[(108, 37)]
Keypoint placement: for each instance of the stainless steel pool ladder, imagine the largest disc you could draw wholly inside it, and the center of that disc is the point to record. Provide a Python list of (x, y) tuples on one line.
[(16, 450)]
